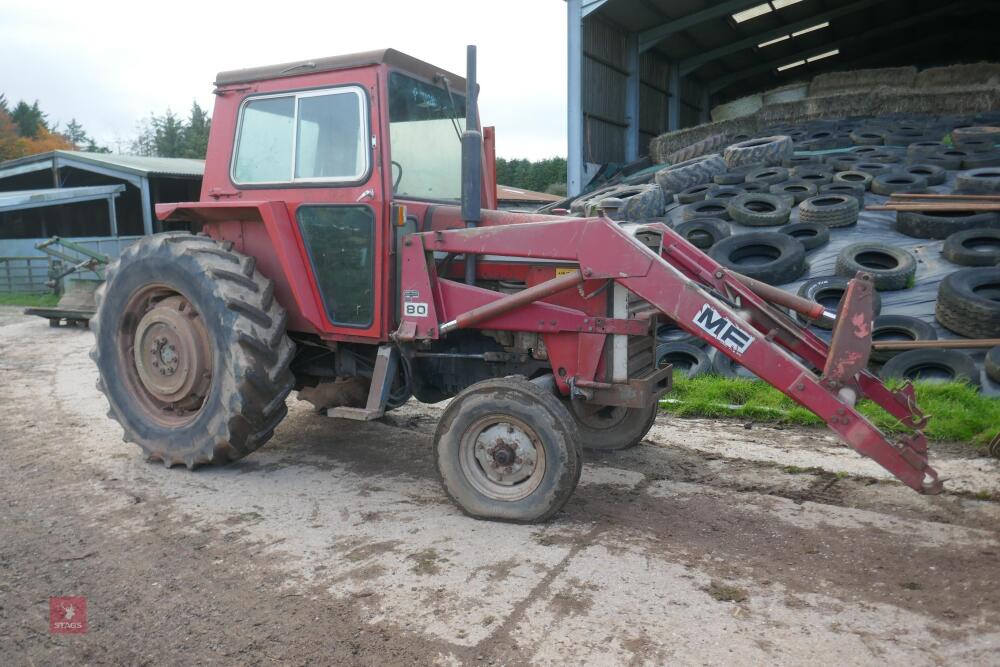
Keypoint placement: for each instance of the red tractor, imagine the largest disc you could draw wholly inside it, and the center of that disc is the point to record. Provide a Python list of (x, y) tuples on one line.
[(349, 247)]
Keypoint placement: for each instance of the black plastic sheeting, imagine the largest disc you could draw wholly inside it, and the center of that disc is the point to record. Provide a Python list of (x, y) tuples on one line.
[(877, 226)]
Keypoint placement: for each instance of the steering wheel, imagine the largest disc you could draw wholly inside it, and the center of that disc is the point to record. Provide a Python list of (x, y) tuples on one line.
[(395, 182)]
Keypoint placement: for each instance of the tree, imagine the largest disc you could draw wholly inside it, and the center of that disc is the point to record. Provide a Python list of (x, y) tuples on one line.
[(538, 176), (28, 118), (196, 133), (169, 135), (74, 133)]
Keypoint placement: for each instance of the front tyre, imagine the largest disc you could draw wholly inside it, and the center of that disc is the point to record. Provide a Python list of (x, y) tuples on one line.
[(191, 350), (507, 449)]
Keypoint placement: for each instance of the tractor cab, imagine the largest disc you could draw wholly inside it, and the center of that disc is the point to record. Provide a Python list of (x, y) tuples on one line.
[(354, 150)]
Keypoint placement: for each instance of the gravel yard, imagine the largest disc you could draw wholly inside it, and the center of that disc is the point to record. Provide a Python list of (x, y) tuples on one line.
[(712, 542)]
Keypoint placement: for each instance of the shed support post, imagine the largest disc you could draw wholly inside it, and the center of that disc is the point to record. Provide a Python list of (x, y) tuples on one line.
[(112, 216), (674, 101), (706, 112), (147, 208), (632, 99), (574, 103)]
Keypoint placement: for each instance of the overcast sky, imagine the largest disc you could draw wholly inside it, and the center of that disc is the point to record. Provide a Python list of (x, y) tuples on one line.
[(112, 63)]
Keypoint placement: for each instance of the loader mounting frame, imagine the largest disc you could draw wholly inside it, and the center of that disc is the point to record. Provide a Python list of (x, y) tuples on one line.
[(701, 296)]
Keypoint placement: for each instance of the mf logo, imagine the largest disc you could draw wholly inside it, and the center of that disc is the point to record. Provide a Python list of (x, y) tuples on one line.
[(729, 334)]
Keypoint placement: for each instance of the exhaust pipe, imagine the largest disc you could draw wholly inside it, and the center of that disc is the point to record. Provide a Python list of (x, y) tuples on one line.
[(472, 149)]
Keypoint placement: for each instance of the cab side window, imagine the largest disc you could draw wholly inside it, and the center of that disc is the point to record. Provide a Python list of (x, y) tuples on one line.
[(306, 137)]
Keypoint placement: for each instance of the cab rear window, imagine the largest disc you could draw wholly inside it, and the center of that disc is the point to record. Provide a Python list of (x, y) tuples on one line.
[(307, 137)]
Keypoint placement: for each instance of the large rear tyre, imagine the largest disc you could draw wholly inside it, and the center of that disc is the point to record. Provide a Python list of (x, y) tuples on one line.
[(508, 449), (611, 427), (191, 350)]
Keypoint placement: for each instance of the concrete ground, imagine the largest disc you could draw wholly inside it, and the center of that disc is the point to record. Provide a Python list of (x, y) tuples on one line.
[(713, 542)]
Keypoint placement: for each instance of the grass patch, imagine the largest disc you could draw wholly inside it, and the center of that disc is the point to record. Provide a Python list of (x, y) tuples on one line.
[(29, 300), (958, 412)]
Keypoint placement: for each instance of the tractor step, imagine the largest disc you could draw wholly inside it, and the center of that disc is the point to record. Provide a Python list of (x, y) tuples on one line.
[(378, 392)]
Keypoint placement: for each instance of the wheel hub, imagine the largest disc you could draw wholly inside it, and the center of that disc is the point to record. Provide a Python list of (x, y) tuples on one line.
[(172, 354), (506, 453)]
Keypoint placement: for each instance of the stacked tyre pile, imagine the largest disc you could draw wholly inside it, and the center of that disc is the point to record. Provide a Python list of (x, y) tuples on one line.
[(784, 208)]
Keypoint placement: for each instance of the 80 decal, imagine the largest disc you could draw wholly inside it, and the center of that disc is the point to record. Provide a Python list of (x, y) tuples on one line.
[(412, 309)]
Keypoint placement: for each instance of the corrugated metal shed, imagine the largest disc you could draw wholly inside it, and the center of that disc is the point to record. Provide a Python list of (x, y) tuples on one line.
[(150, 180), (638, 68), (131, 164)]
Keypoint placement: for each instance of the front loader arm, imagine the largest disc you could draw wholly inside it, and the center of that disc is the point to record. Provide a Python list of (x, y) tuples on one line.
[(710, 302)]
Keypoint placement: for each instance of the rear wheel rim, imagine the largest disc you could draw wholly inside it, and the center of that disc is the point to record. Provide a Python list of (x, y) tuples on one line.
[(167, 354), (502, 457), (598, 417)]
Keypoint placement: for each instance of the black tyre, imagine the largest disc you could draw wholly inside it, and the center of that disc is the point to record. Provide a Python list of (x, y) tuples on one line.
[(874, 168), (861, 178), (867, 138), (829, 292), (648, 202), (841, 188), (973, 247), (818, 175), (759, 210), (980, 160), (723, 366), (884, 157), (611, 427), (797, 189), (947, 162), (979, 181), (830, 209), (802, 161), (692, 194), (508, 449), (710, 144), (768, 175), (724, 191), (942, 224), (767, 256), (898, 327), (703, 233), (992, 364), (191, 350), (918, 148), (736, 175), (891, 268), (811, 235), (932, 365), (934, 174), (668, 332), (696, 171), (898, 181), (766, 151), (690, 360), (968, 303), (845, 162), (708, 208)]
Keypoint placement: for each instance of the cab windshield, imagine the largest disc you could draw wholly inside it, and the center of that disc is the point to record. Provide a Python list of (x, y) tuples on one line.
[(425, 128)]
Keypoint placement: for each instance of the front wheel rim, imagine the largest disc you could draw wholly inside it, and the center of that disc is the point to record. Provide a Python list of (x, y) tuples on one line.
[(502, 458)]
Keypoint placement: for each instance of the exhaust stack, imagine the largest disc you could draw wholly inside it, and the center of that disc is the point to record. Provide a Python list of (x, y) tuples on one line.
[(472, 150)]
